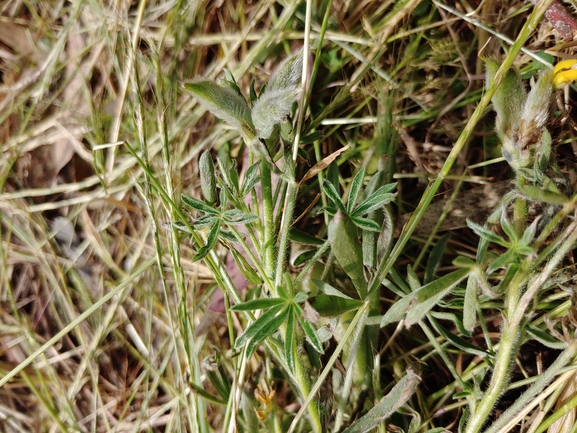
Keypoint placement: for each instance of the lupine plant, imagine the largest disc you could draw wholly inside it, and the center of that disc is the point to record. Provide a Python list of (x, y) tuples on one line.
[(292, 316)]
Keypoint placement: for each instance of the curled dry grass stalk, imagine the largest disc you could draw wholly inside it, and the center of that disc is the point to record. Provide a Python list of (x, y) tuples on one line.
[(108, 324)]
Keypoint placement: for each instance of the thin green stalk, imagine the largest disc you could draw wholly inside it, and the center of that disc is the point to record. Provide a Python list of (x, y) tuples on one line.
[(301, 376)]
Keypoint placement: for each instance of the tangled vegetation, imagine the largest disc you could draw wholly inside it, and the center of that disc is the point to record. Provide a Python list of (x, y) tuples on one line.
[(288, 217)]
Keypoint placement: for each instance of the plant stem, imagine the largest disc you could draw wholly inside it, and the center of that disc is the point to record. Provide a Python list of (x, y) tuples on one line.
[(517, 305), (268, 215), (537, 386)]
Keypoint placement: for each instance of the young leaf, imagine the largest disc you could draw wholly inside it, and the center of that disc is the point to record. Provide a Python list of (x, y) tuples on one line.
[(288, 74), (224, 102), (198, 205), (356, 186), (332, 193), (271, 109), (229, 81), (257, 304), (252, 93)]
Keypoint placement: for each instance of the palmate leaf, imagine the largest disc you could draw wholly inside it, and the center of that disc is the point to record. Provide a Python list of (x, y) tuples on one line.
[(378, 199), (224, 102)]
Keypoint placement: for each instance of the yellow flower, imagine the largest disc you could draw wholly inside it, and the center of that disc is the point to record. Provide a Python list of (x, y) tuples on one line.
[(564, 73)]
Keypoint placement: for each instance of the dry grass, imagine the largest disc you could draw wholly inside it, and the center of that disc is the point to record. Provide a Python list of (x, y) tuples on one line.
[(102, 312)]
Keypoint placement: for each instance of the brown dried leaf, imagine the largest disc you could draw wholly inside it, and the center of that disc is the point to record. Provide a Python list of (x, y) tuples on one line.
[(321, 165)]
